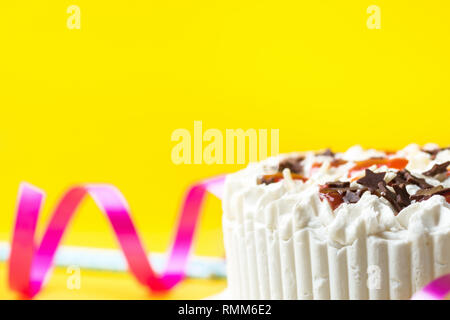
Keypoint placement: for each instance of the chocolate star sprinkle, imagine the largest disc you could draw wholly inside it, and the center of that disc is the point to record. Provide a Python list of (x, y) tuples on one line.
[(338, 192), (437, 169), (371, 179), (293, 164)]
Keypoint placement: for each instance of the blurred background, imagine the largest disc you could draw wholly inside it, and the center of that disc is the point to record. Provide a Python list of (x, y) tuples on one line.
[(99, 103)]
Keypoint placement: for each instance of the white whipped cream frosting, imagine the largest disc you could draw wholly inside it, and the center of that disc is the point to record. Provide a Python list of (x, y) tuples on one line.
[(265, 225), (343, 224)]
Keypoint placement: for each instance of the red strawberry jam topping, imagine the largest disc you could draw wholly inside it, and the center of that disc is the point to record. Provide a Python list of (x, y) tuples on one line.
[(335, 163), (447, 196), (394, 163), (333, 197)]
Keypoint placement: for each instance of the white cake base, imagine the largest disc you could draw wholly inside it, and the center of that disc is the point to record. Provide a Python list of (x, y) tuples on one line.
[(264, 265)]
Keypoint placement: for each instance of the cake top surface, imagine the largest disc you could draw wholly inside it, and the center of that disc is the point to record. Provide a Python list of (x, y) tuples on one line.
[(393, 191)]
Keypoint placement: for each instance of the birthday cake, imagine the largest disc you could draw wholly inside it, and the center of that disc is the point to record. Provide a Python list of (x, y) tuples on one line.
[(362, 224)]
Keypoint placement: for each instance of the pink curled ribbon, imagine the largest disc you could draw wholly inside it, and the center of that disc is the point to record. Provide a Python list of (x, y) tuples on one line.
[(436, 290), (30, 263)]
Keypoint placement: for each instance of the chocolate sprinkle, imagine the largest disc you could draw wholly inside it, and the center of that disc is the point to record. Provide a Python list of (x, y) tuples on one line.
[(437, 169), (410, 179), (374, 182), (342, 189), (338, 184), (434, 152), (425, 194), (327, 152), (293, 164), (402, 195), (399, 198), (371, 179), (267, 179), (351, 196), (389, 195)]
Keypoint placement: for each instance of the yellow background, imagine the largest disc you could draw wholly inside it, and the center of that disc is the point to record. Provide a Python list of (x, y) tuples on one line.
[(99, 104)]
